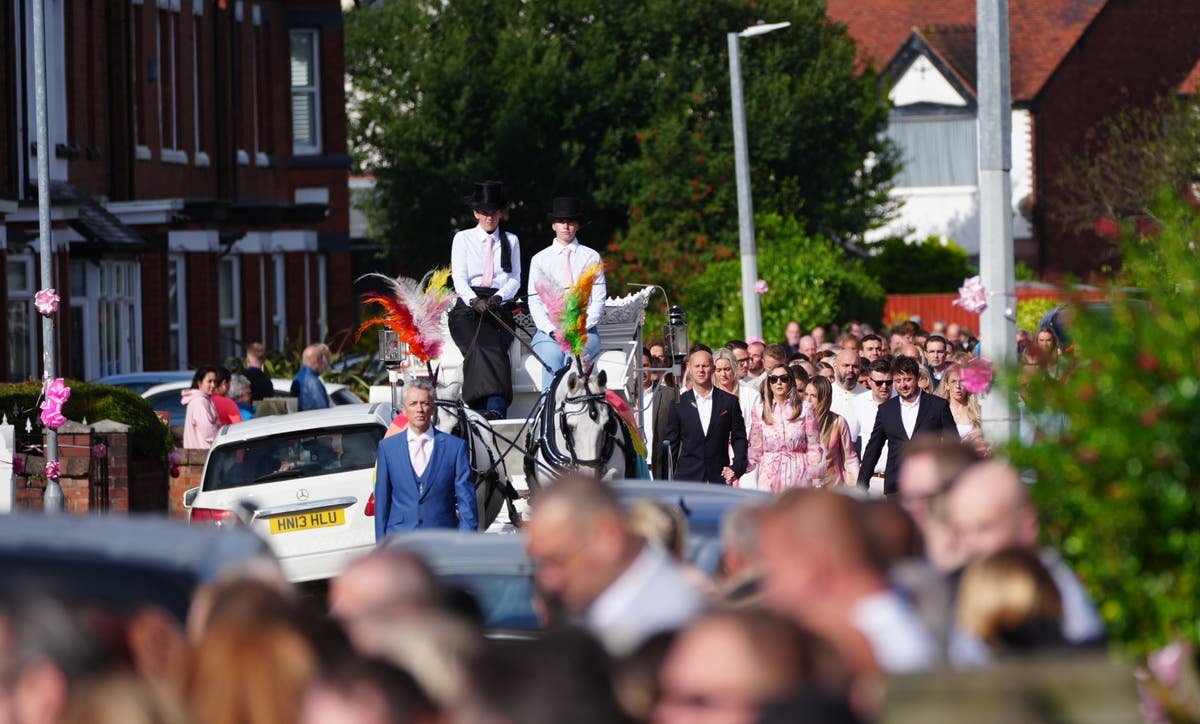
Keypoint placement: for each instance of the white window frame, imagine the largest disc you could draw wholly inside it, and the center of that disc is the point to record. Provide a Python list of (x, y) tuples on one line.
[(299, 148), (119, 345), (25, 297), (167, 48), (199, 155), (177, 263), (232, 322), (279, 319)]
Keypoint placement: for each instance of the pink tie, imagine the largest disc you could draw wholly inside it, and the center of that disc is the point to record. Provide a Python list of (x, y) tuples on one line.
[(489, 259), (568, 275), (421, 458)]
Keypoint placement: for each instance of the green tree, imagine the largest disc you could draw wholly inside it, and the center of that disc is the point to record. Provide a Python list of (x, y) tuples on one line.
[(553, 97), (932, 265), (809, 279), (1118, 458)]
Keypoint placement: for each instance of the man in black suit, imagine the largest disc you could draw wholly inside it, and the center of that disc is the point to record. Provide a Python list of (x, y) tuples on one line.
[(703, 425), (902, 418)]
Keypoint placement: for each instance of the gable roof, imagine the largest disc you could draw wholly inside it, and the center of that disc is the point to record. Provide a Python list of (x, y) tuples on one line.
[(1191, 84), (1041, 32)]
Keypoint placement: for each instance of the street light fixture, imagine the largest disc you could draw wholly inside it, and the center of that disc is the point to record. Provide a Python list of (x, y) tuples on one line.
[(752, 317)]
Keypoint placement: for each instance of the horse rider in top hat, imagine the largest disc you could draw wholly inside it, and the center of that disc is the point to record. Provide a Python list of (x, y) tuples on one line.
[(561, 263), (485, 263)]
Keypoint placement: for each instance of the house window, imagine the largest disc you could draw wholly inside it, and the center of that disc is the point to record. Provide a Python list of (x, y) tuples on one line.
[(201, 157), (279, 320), (167, 59), (306, 93), (22, 324), (80, 336), (119, 316), (177, 309), (230, 304), (937, 150)]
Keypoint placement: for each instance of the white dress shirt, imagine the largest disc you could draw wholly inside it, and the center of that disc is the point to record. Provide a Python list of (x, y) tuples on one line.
[(704, 408), (548, 264), (467, 254), (897, 635), (908, 414), (865, 410), (652, 595), (842, 402)]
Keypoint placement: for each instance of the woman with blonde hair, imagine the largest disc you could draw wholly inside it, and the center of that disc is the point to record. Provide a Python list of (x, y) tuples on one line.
[(840, 464), (1009, 601), (968, 417), (784, 445)]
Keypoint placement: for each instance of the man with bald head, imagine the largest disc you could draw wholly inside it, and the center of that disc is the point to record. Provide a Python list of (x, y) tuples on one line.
[(819, 570), (387, 588), (846, 389), (808, 346), (623, 588), (990, 511)]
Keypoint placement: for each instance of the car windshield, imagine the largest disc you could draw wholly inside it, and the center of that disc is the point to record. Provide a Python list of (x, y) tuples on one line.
[(292, 455)]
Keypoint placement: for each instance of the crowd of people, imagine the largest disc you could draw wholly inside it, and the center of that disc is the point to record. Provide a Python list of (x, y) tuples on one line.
[(218, 396), (819, 597)]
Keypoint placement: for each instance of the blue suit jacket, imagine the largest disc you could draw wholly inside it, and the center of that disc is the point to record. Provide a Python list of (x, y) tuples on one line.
[(444, 497)]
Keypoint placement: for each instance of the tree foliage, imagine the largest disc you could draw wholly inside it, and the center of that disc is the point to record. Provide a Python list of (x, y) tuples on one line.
[(809, 279), (932, 265), (624, 105), (1118, 460)]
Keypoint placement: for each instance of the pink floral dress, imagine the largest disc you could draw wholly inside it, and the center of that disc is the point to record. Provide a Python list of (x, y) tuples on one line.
[(840, 464), (787, 453)]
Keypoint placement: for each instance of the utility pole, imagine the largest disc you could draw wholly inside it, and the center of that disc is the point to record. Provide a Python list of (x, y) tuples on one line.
[(997, 329)]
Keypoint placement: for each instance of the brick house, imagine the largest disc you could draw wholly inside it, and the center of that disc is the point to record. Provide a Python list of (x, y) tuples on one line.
[(198, 180), (1073, 63)]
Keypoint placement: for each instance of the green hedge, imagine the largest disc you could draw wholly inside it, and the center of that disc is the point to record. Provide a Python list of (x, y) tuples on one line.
[(925, 267), (150, 437)]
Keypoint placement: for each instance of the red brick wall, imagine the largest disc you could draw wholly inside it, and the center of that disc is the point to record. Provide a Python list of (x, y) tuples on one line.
[(1134, 50), (156, 322), (191, 474), (203, 328)]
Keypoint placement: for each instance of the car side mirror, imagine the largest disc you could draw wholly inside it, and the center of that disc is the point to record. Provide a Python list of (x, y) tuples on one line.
[(189, 496)]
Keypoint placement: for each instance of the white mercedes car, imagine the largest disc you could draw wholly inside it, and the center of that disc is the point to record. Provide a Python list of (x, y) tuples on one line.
[(304, 482)]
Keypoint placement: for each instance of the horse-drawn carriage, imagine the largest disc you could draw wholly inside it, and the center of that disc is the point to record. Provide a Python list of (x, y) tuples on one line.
[(575, 425)]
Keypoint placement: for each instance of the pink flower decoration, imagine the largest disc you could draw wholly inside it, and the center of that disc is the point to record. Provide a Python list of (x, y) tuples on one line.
[(57, 394), (46, 302), (99, 450), (174, 471), (760, 287), (52, 469), (1166, 664), (175, 459), (972, 296), (977, 376)]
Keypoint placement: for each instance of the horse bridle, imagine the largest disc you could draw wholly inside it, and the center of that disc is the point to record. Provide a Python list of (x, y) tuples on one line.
[(591, 402)]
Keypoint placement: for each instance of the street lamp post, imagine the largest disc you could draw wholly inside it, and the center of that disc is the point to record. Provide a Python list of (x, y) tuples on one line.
[(752, 317)]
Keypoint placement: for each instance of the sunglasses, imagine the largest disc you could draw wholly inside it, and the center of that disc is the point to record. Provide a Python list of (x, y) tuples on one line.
[(778, 378), (881, 383)]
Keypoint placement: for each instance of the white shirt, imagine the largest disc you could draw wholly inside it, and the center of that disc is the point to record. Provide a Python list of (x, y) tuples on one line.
[(842, 402), (898, 637), (548, 264), (704, 408), (467, 254), (652, 595), (908, 414), (866, 409)]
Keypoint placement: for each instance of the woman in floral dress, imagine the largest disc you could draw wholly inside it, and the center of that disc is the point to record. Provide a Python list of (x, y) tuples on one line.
[(784, 446)]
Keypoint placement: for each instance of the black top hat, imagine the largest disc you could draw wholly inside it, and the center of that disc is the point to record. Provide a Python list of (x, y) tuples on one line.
[(566, 208), (487, 196)]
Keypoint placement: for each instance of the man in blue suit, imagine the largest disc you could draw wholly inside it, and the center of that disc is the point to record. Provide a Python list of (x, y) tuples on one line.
[(423, 477)]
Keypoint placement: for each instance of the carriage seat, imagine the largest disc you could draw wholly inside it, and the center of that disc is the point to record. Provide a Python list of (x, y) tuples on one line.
[(614, 362)]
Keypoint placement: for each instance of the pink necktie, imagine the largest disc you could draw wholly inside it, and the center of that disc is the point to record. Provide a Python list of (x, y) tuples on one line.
[(489, 259), (568, 275), (421, 458)]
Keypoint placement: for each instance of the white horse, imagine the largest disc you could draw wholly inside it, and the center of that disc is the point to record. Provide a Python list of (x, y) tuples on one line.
[(575, 428)]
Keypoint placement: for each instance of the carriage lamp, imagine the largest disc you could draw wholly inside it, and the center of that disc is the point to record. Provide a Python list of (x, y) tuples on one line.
[(392, 351), (675, 334)]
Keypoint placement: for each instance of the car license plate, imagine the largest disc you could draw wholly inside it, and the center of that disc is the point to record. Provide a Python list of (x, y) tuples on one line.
[(308, 521)]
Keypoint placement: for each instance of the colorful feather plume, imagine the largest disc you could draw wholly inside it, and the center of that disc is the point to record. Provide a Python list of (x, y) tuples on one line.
[(413, 309), (568, 310)]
